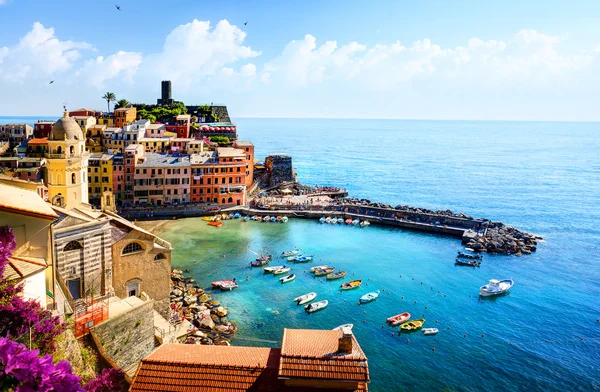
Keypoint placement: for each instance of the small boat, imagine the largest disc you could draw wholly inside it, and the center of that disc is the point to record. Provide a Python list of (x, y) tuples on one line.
[(266, 218), (287, 278), (231, 215), (322, 219), (269, 270), (246, 218), (496, 287), (215, 224), (278, 219), (324, 271), (208, 218), (469, 256), (354, 284), (316, 306), (430, 331), (216, 218), (340, 221), (273, 219), (348, 221), (284, 219), (259, 262), (237, 215), (254, 218), (412, 325), (229, 286), (336, 275), (303, 259), (218, 284), (290, 253), (306, 298), (328, 220), (292, 258), (355, 222), (369, 297), (264, 257), (470, 263), (344, 326), (317, 267), (398, 319), (333, 221), (281, 271), (364, 223)]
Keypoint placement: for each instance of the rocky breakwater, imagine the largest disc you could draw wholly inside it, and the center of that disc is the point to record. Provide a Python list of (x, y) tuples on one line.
[(209, 318), (503, 239)]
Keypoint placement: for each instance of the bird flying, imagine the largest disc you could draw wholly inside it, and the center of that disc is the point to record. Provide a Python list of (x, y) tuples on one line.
[(118, 7), (52, 81), (245, 23)]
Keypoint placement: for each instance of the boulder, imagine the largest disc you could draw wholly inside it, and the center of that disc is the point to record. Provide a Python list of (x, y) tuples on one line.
[(221, 311), (205, 321), (177, 293), (204, 298)]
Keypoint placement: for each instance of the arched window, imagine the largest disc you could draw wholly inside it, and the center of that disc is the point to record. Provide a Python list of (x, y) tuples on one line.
[(223, 200), (59, 150), (73, 179), (73, 245), (159, 257), (72, 150), (132, 247), (230, 200)]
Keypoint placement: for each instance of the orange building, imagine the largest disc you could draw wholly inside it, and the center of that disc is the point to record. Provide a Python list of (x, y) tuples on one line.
[(248, 148), (124, 116)]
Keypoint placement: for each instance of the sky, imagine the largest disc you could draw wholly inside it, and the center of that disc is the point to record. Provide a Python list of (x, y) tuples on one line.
[(456, 60)]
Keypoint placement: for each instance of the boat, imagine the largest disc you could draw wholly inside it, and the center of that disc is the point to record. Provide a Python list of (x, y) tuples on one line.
[(289, 253), (343, 326), (237, 215), (336, 275), (259, 262), (398, 319), (328, 220), (216, 218), (348, 221), (266, 218), (496, 287), (322, 219), (369, 297), (364, 223), (303, 259), (333, 221), (430, 331), (273, 219), (287, 278), (317, 267), (278, 219), (229, 286), (254, 218), (306, 298), (292, 258), (269, 270), (280, 271), (355, 222), (208, 218), (340, 221), (412, 325), (284, 219), (470, 263), (264, 257), (351, 285), (231, 215), (218, 284), (215, 224), (324, 271), (316, 306), (246, 218), (469, 256)]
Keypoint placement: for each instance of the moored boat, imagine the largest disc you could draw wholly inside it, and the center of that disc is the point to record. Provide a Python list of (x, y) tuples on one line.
[(336, 275), (281, 271), (306, 298), (231, 215), (284, 219), (316, 306), (323, 271), (273, 219), (287, 278), (369, 297), (215, 224), (254, 218), (278, 219), (229, 286), (340, 221), (246, 218), (348, 221), (218, 284), (412, 325), (328, 220), (290, 253), (269, 270), (322, 219), (355, 222), (354, 284), (467, 262), (292, 258), (303, 259), (496, 287), (208, 218), (364, 223), (259, 262), (317, 267), (398, 319), (343, 326), (237, 215), (429, 331), (266, 218), (469, 256)]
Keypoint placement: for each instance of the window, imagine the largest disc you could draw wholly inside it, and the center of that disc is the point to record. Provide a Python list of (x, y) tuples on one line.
[(159, 256), (73, 245), (132, 247), (73, 270)]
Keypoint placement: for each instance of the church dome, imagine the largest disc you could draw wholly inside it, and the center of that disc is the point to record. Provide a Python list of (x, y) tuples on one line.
[(66, 129)]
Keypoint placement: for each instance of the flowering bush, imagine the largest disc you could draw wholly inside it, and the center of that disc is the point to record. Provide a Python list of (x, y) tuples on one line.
[(19, 317), (110, 380)]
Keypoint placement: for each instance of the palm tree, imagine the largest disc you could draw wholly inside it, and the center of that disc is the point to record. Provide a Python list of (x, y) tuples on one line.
[(110, 97), (122, 103)]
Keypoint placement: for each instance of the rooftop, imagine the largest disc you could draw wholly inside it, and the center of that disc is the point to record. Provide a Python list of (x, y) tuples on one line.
[(243, 144), (82, 117), (22, 267), (156, 126), (230, 152), (202, 157), (183, 117), (124, 109), (43, 140), (19, 200), (154, 159)]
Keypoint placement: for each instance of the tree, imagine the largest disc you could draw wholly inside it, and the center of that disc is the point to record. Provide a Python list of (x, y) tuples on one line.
[(109, 97), (122, 103)]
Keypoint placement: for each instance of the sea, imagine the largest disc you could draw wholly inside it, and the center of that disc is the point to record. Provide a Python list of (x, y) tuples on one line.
[(541, 177)]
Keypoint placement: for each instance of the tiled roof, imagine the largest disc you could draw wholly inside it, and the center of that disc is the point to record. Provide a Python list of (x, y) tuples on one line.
[(21, 267), (183, 367), (153, 159), (17, 199), (313, 354), (230, 152), (43, 140)]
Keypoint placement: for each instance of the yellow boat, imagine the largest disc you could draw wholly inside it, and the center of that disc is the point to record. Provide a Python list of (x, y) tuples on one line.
[(351, 285), (412, 325), (208, 218)]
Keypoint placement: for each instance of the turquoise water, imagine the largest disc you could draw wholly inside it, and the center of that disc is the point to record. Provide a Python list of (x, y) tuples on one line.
[(540, 177)]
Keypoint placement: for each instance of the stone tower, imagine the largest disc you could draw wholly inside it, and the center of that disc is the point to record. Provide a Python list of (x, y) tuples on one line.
[(66, 164)]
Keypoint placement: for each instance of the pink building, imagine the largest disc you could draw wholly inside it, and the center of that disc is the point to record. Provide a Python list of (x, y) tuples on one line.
[(162, 179)]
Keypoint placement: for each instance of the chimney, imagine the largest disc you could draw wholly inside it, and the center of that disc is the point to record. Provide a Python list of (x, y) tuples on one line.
[(345, 342)]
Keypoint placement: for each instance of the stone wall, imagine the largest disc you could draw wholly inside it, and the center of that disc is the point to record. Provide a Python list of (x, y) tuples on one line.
[(280, 169), (127, 338)]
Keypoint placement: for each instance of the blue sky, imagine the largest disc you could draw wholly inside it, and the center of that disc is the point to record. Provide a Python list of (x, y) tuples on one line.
[(502, 60)]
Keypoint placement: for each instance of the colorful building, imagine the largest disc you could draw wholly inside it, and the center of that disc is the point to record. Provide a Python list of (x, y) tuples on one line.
[(155, 144), (24, 168), (118, 178), (16, 133), (41, 129), (85, 122), (248, 149), (84, 112), (94, 136), (37, 147), (107, 119), (181, 126), (162, 179), (100, 176), (125, 116)]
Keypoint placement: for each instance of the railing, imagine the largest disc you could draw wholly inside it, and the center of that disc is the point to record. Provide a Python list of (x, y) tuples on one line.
[(55, 156)]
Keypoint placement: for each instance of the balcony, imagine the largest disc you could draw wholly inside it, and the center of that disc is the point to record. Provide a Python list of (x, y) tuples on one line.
[(55, 156)]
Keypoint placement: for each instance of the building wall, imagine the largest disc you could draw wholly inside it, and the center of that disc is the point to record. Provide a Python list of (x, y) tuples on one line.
[(35, 288), (100, 178), (61, 165), (124, 116), (153, 276)]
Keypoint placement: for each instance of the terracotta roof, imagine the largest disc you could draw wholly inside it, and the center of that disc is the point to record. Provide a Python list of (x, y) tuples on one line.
[(188, 367), (21, 200), (313, 354), (43, 140), (21, 267)]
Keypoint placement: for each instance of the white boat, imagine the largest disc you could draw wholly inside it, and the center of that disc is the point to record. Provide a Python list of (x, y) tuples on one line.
[(322, 220), (228, 286), (287, 278), (246, 218), (328, 220), (284, 219), (355, 222), (496, 287), (280, 271), (266, 218), (344, 326), (340, 221), (254, 218), (317, 267), (333, 221), (364, 223), (269, 270), (430, 331), (303, 299), (290, 253), (316, 306), (369, 297)]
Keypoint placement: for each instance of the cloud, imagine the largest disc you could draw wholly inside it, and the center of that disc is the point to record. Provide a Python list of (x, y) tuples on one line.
[(39, 53), (123, 65)]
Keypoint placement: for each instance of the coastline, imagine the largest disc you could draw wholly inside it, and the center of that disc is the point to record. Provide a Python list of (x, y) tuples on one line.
[(154, 226)]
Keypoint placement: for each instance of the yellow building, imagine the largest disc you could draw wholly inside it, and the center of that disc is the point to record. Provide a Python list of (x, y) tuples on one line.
[(85, 122), (106, 119), (66, 164), (124, 116), (100, 176), (155, 144), (94, 137)]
